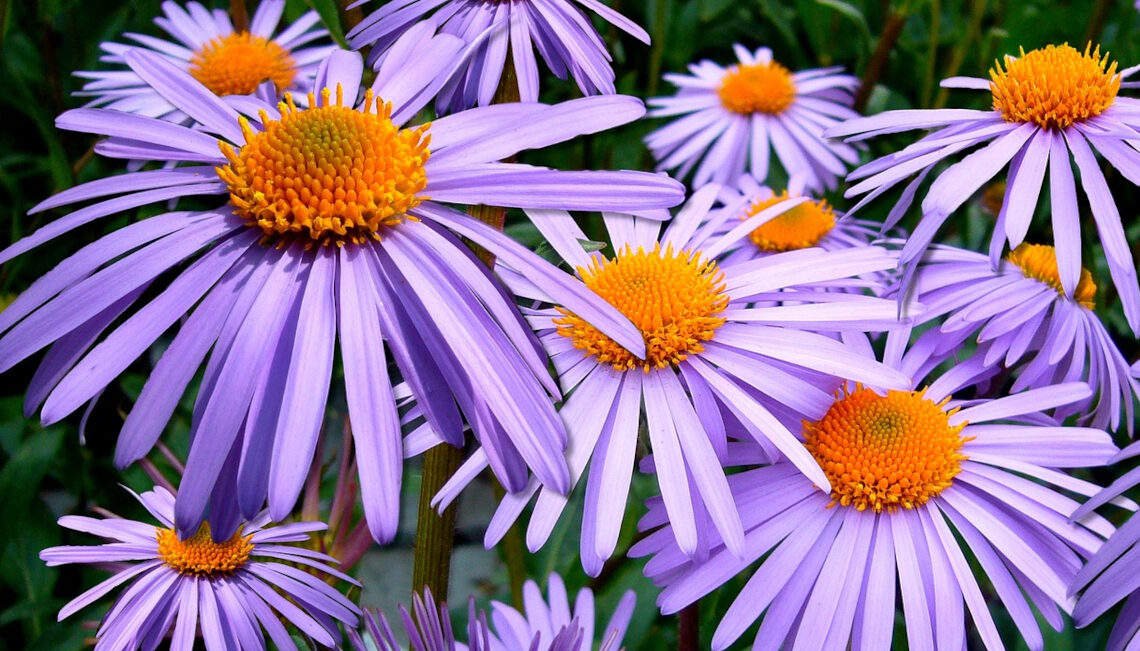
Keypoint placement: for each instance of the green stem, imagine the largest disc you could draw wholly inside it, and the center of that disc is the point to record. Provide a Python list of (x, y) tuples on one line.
[(958, 54), (1096, 22), (932, 51), (514, 553)]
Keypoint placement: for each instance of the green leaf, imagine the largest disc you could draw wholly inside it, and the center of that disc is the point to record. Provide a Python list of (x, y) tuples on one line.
[(851, 13), (330, 16)]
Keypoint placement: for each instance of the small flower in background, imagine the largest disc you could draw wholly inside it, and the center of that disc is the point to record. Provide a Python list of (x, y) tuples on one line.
[(559, 30), (1052, 107), (226, 61), (231, 589), (544, 625), (734, 116), (916, 479), (348, 249), (725, 348), (1025, 320)]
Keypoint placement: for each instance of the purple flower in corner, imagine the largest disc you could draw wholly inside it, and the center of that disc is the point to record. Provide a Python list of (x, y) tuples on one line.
[(348, 249), (1052, 107), (229, 589), (733, 117)]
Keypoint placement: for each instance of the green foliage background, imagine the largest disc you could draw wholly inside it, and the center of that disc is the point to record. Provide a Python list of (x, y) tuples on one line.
[(47, 472)]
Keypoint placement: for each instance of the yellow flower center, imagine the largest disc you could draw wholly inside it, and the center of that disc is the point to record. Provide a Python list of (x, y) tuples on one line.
[(799, 228), (760, 88), (330, 173), (883, 452), (200, 556), (1039, 262), (236, 64), (1054, 86), (671, 297)]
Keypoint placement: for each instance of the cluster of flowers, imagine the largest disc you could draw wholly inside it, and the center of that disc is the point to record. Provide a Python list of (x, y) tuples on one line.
[(788, 435)]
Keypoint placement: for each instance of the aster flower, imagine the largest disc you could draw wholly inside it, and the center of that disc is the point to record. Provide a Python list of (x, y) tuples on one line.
[(231, 589), (726, 350), (207, 46), (733, 116), (1052, 107), (353, 252), (1023, 317), (916, 479), (1110, 576), (545, 625), (559, 30)]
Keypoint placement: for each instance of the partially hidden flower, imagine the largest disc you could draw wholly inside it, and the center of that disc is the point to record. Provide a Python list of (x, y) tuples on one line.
[(730, 119), (1023, 319), (331, 229), (225, 60), (232, 591), (509, 35), (917, 481), (732, 348), (544, 624), (1052, 107)]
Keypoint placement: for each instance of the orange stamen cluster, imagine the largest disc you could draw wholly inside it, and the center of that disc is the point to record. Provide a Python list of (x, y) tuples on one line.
[(673, 298), (799, 228), (236, 64), (331, 173), (886, 452), (1039, 262), (1054, 86), (200, 556), (758, 88)]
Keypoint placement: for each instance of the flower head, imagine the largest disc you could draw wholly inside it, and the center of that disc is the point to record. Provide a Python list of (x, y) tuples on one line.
[(917, 479), (741, 348), (734, 116), (1052, 107), (560, 31), (331, 231), (224, 60), (231, 589)]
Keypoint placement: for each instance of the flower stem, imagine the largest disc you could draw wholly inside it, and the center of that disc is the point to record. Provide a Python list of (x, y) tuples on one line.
[(689, 637), (878, 62), (239, 15)]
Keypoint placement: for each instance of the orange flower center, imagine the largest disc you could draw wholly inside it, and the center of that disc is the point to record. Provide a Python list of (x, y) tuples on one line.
[(1054, 86), (883, 452), (200, 556), (331, 173), (799, 228), (237, 63), (1039, 262), (760, 88), (673, 298)]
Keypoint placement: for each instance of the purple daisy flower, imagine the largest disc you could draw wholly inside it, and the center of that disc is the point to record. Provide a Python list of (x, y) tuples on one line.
[(545, 625), (1111, 575), (725, 348), (352, 251), (813, 223), (231, 589), (1021, 312), (226, 61), (1052, 107), (914, 474), (559, 30), (733, 116)]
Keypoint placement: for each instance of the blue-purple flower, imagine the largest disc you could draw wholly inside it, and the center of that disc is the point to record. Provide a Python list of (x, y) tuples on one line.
[(229, 590), (733, 117), (327, 237), (916, 479), (560, 31), (226, 61), (1052, 107)]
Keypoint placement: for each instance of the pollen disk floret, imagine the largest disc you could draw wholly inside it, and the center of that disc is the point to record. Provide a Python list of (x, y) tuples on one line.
[(1054, 86), (799, 228), (673, 297), (757, 88), (236, 64), (330, 173), (1039, 261), (200, 556), (886, 452)]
